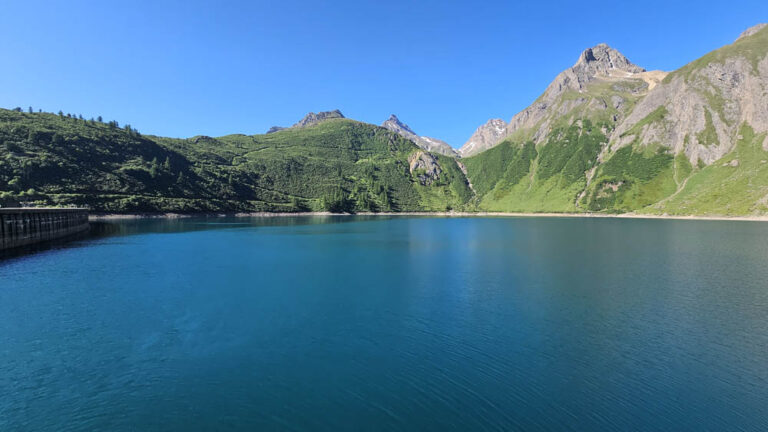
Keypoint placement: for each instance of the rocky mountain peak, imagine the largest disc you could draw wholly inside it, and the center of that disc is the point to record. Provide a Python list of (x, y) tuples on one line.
[(274, 129), (429, 144), (315, 118), (310, 119), (601, 59), (395, 125), (601, 62), (752, 30), (485, 137)]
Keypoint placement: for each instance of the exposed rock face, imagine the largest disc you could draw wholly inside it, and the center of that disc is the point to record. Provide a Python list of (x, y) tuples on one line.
[(312, 119), (704, 104), (752, 30), (395, 125), (429, 144), (696, 110), (425, 167), (486, 136), (437, 146), (600, 63), (619, 136), (203, 138)]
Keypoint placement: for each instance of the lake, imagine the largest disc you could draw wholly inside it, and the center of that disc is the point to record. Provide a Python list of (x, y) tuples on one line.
[(389, 323)]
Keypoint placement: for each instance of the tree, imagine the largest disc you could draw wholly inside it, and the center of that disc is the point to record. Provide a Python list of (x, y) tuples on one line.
[(17, 109), (30, 110), (336, 202), (384, 198), (167, 164), (99, 119), (61, 114), (34, 136), (298, 204), (153, 168), (363, 202)]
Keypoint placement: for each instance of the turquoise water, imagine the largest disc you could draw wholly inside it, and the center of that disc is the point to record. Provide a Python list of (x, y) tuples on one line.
[(389, 324)]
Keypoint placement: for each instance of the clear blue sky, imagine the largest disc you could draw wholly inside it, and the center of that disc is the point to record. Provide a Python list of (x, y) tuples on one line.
[(183, 68)]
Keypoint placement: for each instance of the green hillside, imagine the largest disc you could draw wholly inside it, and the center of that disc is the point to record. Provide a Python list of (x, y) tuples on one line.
[(685, 147), (735, 185), (606, 136), (338, 165)]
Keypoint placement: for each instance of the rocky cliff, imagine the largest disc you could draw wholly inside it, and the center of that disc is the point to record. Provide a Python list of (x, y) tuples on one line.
[(485, 137), (699, 109), (606, 135), (429, 144), (602, 79), (310, 119)]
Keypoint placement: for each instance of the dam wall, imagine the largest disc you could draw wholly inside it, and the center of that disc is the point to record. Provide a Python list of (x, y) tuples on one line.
[(26, 226)]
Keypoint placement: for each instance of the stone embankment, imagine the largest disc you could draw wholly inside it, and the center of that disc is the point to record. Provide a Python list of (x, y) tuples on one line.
[(26, 226)]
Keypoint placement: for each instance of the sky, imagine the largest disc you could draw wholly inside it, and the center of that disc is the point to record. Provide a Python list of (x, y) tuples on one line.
[(186, 68)]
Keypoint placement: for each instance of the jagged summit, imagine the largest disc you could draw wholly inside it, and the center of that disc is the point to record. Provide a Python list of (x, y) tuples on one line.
[(310, 119), (395, 125), (315, 118), (429, 144), (601, 59), (274, 129), (752, 30), (598, 63), (485, 136)]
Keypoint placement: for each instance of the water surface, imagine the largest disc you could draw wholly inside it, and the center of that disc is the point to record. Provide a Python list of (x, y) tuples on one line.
[(389, 324)]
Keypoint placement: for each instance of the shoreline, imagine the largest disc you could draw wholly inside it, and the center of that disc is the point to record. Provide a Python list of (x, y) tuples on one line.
[(170, 215)]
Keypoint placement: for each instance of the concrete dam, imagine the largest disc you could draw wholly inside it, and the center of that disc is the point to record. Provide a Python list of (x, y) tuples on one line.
[(26, 226)]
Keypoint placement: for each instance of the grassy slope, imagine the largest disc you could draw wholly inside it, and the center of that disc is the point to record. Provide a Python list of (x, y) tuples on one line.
[(346, 165), (753, 48), (513, 177), (552, 176), (635, 178), (337, 165), (723, 189)]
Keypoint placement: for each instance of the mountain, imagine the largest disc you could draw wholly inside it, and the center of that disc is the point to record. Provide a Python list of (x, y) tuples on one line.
[(712, 116), (485, 137), (586, 86), (310, 119), (325, 163), (429, 144), (606, 135)]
